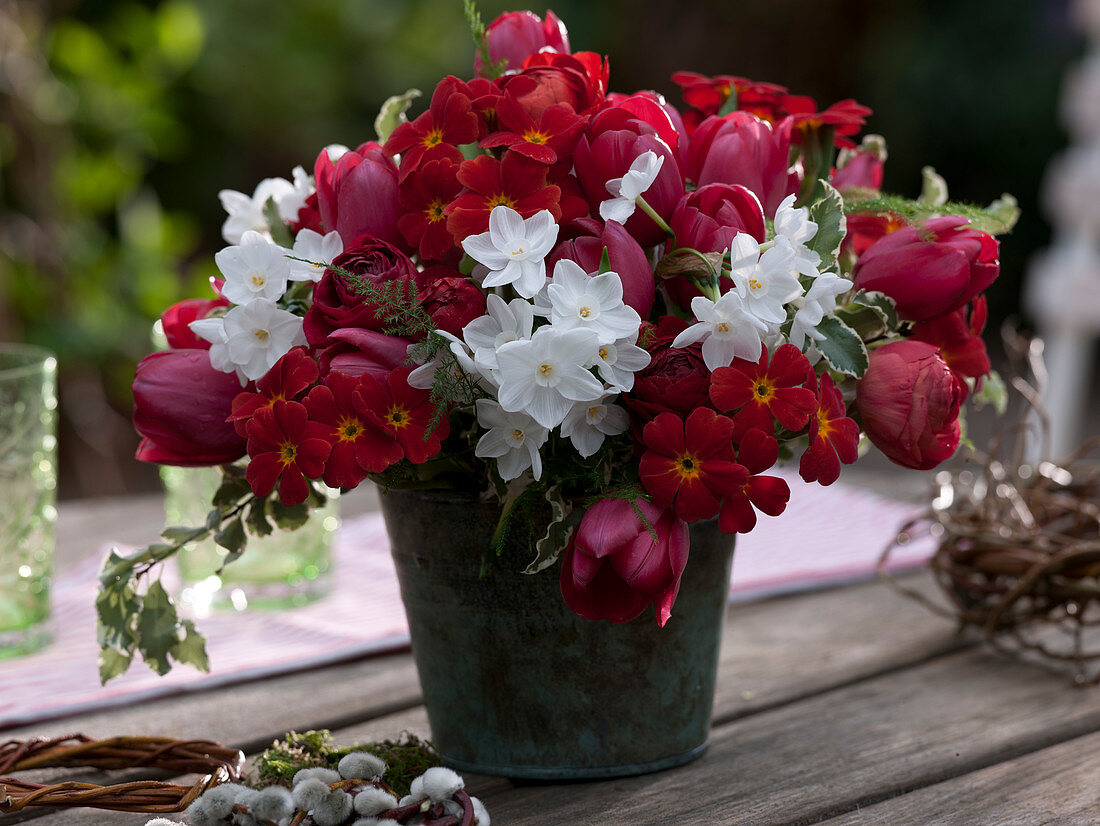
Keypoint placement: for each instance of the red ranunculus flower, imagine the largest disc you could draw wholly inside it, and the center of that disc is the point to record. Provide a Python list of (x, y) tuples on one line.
[(285, 447), (615, 565), (546, 140), (834, 438), (451, 299), (449, 122), (766, 392), (932, 269), (742, 149), (516, 35), (909, 403), (515, 182), (424, 195), (676, 381), (756, 453), (175, 319), (336, 303), (404, 413), (180, 405), (689, 465), (959, 337), (627, 259), (288, 379), (356, 351), (359, 445), (578, 80), (613, 140), (357, 195)]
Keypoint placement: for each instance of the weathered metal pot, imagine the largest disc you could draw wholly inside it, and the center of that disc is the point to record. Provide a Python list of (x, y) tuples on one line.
[(516, 684)]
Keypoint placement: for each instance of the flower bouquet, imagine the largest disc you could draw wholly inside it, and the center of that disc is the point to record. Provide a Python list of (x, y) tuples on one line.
[(592, 318)]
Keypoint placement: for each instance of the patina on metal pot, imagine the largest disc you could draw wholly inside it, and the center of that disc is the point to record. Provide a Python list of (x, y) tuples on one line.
[(516, 684)]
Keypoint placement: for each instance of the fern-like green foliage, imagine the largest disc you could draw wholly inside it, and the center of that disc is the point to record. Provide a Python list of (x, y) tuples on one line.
[(477, 31), (996, 219)]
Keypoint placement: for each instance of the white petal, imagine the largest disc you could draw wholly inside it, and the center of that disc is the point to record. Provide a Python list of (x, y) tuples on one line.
[(691, 335), (617, 209), (482, 249), (505, 225)]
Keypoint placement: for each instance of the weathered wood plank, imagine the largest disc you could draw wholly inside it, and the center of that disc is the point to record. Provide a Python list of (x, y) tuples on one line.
[(1052, 787), (837, 751)]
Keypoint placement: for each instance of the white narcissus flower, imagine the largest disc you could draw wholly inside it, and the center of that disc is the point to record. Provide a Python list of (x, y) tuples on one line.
[(625, 190), (312, 246), (590, 302), (766, 283), (543, 375), (514, 249), (255, 268), (301, 188), (247, 212), (423, 377), (726, 328), (251, 338), (503, 322), (819, 301), (588, 423), (619, 361), (513, 439), (793, 228)]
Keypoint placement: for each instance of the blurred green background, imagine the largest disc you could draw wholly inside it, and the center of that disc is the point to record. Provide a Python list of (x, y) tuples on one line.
[(120, 120)]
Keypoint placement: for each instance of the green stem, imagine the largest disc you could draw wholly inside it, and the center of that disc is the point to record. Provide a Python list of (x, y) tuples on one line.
[(657, 219)]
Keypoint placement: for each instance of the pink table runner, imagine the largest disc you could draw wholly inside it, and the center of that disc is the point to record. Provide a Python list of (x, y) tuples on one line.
[(827, 536)]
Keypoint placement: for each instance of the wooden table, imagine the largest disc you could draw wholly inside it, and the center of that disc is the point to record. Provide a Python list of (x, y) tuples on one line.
[(844, 706)]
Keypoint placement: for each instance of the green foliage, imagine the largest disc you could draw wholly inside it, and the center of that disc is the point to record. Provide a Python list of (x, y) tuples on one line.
[(828, 213), (870, 314), (392, 114), (481, 42), (130, 619), (997, 218), (557, 535), (842, 349), (406, 758)]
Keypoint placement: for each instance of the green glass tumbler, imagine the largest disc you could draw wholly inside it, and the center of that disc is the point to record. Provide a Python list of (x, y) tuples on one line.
[(281, 570), (28, 491)]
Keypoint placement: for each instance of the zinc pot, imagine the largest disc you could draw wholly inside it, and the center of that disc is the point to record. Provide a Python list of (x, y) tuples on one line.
[(517, 685)]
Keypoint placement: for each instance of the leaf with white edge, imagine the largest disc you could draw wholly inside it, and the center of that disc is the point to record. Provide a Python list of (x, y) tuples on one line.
[(993, 393), (232, 536), (158, 628), (933, 190), (230, 492), (549, 548), (842, 348), (828, 213), (886, 307), (113, 663), (180, 534), (191, 648), (116, 608), (869, 314), (392, 114)]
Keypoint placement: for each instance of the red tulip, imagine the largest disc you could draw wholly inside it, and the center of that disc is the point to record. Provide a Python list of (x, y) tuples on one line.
[(616, 565), (742, 149), (175, 321), (356, 351), (931, 269), (709, 218), (357, 195), (909, 403), (627, 259), (613, 140), (516, 35), (180, 409)]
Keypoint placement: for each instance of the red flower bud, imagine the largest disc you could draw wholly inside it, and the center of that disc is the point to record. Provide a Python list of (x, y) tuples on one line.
[(452, 300), (614, 566), (180, 409), (627, 259), (175, 321), (931, 269), (516, 35), (909, 403), (357, 195)]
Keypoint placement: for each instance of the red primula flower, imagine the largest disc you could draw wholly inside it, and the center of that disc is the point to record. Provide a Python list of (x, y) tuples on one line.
[(402, 412), (763, 391), (484, 95), (552, 137), (285, 447), (709, 95), (689, 464), (516, 182), (768, 494), (834, 437), (845, 116), (289, 378), (959, 337), (437, 133), (359, 445), (423, 197)]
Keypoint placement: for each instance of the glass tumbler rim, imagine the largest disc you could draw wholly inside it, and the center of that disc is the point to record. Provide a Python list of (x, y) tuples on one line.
[(35, 359)]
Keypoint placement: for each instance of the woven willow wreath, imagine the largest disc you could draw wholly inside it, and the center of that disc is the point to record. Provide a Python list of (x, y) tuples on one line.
[(216, 763)]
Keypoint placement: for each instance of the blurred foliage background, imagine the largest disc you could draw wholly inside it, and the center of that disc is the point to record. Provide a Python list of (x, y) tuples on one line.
[(121, 119)]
